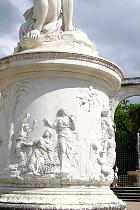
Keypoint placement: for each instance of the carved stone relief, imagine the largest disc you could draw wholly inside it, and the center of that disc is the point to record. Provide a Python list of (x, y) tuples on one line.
[(56, 151), (67, 139), (15, 92), (30, 157), (41, 157), (89, 97), (95, 160), (11, 96), (49, 155), (108, 144), (102, 152)]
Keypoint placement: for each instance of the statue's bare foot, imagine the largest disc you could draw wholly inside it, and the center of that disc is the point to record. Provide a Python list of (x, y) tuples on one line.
[(69, 28), (34, 34)]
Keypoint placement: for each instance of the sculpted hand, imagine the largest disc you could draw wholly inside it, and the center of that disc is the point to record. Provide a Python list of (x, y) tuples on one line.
[(34, 34), (69, 28)]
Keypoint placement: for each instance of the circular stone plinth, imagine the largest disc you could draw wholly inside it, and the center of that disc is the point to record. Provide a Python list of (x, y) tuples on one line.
[(61, 198)]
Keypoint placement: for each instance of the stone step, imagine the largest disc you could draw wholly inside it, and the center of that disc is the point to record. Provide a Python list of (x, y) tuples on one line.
[(127, 193)]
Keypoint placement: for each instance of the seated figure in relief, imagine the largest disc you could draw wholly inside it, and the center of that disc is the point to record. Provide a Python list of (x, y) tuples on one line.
[(42, 158), (46, 14)]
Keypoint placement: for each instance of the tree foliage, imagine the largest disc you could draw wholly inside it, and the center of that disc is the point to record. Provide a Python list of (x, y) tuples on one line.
[(127, 118)]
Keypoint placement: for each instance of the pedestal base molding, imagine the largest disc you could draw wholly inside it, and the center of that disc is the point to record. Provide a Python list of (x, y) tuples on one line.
[(63, 198)]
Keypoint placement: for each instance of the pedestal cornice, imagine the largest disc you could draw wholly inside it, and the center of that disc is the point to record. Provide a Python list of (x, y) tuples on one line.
[(65, 63)]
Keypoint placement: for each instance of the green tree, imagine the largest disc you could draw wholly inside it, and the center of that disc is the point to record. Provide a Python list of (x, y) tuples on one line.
[(127, 118)]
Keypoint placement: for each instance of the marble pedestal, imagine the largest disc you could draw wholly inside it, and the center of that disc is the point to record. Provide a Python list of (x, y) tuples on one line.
[(57, 147)]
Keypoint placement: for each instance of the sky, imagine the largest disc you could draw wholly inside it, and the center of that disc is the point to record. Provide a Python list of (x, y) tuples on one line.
[(112, 25)]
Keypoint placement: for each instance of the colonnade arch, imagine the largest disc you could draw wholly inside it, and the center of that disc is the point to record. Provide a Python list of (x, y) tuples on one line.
[(130, 87)]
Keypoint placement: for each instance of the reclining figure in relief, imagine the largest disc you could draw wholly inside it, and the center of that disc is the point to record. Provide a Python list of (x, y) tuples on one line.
[(47, 16)]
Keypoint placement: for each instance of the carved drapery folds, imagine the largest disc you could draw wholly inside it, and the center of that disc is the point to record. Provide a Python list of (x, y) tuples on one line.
[(65, 127)]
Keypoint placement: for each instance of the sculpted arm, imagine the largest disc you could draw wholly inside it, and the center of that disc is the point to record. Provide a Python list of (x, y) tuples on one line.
[(41, 10), (40, 13), (48, 124)]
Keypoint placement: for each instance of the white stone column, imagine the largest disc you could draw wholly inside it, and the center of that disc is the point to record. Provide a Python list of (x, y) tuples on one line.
[(57, 146)]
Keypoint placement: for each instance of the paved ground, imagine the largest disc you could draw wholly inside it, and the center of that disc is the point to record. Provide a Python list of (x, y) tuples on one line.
[(133, 205)]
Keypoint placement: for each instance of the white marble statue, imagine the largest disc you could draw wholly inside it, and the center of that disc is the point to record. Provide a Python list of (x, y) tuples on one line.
[(45, 16), (48, 26)]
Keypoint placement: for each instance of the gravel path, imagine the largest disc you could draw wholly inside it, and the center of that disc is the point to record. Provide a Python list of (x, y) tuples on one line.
[(133, 205)]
